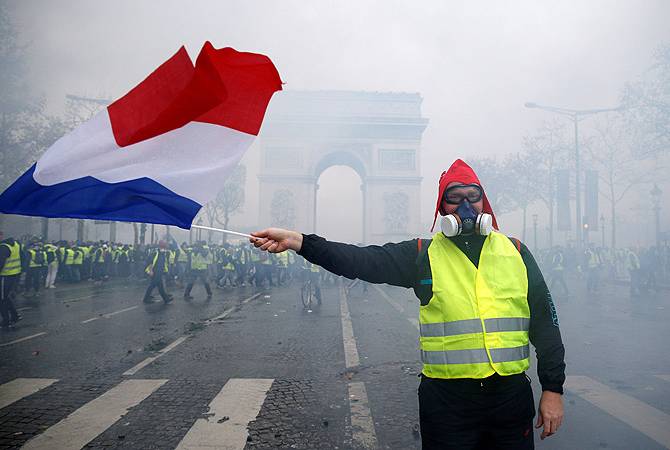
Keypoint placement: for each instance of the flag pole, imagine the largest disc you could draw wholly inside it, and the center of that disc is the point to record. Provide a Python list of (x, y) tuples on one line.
[(221, 230)]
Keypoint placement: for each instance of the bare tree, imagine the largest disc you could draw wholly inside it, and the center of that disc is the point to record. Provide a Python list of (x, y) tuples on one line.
[(647, 107), (228, 201), (548, 150), (496, 181), (619, 170)]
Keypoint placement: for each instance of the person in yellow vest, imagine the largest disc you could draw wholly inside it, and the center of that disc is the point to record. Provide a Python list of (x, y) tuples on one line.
[(483, 299), (36, 262), (198, 265), (227, 268), (77, 263), (52, 266), (182, 263), (100, 263), (68, 259), (157, 270), (10, 272)]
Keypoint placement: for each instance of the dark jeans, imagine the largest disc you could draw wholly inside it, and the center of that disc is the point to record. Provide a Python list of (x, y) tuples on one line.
[(7, 310), (156, 282), (195, 274), (466, 414), (34, 279)]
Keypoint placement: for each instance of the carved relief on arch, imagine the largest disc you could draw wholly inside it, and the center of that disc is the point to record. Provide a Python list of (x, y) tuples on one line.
[(282, 209), (396, 216)]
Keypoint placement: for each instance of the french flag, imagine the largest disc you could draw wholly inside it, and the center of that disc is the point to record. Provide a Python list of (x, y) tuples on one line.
[(160, 152)]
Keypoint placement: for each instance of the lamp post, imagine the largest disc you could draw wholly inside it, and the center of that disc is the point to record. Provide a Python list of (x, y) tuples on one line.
[(576, 115), (535, 232), (602, 228), (656, 202)]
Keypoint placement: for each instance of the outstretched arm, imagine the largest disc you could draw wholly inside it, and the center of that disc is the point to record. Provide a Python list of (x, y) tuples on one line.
[(392, 263)]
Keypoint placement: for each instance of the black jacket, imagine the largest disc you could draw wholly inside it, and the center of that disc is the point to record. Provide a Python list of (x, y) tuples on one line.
[(402, 264)]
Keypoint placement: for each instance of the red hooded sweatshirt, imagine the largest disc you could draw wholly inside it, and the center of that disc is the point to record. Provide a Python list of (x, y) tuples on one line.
[(460, 172)]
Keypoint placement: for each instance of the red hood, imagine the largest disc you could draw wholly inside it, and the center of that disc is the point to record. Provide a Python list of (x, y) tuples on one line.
[(460, 172)]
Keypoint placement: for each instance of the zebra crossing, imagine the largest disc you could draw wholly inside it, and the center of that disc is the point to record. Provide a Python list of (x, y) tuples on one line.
[(225, 424)]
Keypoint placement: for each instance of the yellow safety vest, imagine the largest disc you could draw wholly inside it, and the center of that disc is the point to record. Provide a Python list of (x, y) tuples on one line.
[(78, 258), (198, 262), (183, 256), (151, 267), (33, 261), (13, 263), (476, 323), (69, 256)]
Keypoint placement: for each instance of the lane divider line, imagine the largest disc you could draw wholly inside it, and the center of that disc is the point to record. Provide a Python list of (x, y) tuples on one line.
[(151, 359), (238, 403), (18, 388), (635, 413), (362, 425), (351, 358), (87, 422), (229, 311), (16, 341), (111, 314), (664, 377)]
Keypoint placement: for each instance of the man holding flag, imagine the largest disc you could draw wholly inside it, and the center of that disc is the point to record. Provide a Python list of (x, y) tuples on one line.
[(483, 299)]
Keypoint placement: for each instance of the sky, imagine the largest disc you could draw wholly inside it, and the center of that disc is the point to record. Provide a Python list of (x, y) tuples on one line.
[(475, 63)]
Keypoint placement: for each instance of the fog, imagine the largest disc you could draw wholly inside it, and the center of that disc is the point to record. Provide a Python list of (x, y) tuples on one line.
[(474, 63)]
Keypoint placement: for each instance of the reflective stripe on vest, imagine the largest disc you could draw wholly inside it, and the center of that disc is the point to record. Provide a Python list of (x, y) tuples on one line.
[(476, 324), (198, 262), (498, 355), (13, 263)]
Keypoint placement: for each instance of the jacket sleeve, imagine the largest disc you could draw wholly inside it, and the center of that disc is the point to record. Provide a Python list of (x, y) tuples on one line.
[(544, 332), (392, 263)]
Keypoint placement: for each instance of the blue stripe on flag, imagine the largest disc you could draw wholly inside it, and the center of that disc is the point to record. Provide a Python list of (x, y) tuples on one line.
[(140, 200)]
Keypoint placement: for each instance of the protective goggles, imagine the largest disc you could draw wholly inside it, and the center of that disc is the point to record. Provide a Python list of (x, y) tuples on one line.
[(456, 194)]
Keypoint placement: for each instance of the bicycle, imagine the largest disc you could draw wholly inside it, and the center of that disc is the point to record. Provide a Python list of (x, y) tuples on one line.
[(308, 292)]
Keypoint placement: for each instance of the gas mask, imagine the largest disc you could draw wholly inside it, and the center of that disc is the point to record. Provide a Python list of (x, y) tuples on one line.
[(466, 221)]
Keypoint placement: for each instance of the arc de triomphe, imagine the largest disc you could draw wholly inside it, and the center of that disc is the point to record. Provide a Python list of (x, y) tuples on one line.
[(376, 134)]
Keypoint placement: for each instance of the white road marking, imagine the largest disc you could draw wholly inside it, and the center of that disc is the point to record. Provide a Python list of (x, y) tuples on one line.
[(74, 300), (363, 428), (25, 308), (639, 415), (16, 341), (397, 306), (350, 351), (237, 404), (151, 359), (228, 311), (664, 377), (108, 315), (87, 422), (22, 387)]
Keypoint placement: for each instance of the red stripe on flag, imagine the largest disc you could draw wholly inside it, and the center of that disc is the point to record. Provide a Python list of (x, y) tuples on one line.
[(225, 87), (249, 79)]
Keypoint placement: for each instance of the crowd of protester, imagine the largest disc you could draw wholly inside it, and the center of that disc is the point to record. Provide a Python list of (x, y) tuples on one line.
[(645, 269)]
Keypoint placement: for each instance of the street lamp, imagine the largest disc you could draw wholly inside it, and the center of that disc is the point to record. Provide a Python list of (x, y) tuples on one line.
[(602, 228), (535, 232), (656, 201), (576, 115)]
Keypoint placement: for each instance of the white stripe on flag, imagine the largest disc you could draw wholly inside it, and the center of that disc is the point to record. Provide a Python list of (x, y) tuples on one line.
[(237, 404), (22, 387), (192, 161), (87, 422)]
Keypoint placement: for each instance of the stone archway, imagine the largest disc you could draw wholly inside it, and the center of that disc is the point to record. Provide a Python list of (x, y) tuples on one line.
[(376, 134)]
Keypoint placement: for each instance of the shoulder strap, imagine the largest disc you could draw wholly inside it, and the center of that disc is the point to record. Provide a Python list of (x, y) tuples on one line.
[(517, 243)]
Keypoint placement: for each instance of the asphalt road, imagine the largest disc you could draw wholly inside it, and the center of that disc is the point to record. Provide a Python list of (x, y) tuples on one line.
[(94, 367)]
